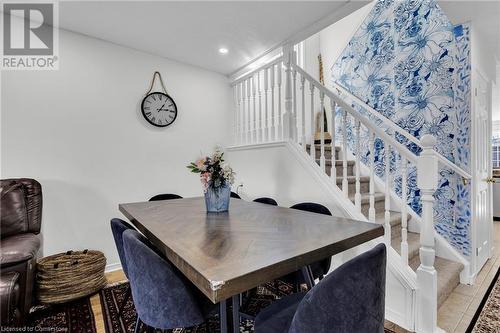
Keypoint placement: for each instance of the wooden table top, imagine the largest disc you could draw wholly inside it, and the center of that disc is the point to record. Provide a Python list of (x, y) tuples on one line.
[(225, 254)]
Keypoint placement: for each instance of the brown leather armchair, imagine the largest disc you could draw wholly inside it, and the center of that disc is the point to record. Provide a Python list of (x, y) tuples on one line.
[(21, 216)]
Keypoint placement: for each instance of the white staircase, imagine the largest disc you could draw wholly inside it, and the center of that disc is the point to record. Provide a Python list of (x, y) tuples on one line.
[(278, 102)]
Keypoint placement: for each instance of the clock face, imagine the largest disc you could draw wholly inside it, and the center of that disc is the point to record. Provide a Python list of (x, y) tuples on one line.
[(159, 109)]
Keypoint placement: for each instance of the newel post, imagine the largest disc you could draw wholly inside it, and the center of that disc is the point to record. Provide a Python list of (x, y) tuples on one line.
[(427, 179), (287, 115)]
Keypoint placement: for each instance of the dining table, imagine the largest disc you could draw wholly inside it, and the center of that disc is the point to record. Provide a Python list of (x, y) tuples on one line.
[(228, 253)]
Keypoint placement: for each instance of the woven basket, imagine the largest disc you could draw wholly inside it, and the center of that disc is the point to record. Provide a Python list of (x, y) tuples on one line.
[(67, 276)]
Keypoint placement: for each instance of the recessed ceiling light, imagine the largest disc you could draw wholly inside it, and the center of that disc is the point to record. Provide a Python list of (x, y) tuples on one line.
[(223, 50)]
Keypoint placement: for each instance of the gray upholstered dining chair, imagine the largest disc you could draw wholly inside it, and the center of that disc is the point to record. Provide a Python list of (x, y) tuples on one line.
[(235, 195), (165, 196), (163, 297), (317, 269), (118, 226), (350, 299), (267, 201)]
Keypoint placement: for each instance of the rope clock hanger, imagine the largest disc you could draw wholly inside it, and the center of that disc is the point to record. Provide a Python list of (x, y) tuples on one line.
[(158, 108)]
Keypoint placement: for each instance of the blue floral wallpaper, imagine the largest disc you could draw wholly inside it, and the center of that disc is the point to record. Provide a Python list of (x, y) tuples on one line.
[(410, 64)]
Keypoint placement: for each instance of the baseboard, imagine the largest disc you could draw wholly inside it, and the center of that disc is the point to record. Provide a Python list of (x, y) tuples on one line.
[(113, 267)]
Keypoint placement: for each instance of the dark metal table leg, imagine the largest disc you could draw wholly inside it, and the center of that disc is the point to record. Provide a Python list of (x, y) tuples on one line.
[(308, 277), (223, 316), (236, 313)]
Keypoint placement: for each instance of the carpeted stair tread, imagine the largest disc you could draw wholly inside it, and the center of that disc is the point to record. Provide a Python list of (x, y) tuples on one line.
[(352, 179), (413, 244), (338, 163), (448, 275), (395, 219), (448, 272), (327, 147), (365, 197)]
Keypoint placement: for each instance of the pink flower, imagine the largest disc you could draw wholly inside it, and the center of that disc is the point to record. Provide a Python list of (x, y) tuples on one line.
[(200, 163)]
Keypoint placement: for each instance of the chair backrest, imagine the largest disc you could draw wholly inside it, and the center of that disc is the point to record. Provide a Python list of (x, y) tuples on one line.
[(21, 206), (235, 195), (118, 227), (161, 294), (165, 196), (312, 207), (350, 299), (267, 201)]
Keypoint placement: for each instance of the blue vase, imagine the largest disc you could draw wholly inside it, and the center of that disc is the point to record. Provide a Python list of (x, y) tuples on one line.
[(217, 199)]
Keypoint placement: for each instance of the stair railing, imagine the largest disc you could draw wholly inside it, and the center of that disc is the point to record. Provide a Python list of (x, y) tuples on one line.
[(287, 115)]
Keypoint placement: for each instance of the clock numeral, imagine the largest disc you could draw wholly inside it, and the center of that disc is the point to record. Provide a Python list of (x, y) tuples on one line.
[(171, 111), (148, 101), (154, 98), (153, 119), (148, 114), (146, 108), (160, 97), (159, 122), (170, 116)]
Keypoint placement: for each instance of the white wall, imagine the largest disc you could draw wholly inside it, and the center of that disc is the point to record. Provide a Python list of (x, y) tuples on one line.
[(274, 172), (330, 42), (335, 38), (79, 131)]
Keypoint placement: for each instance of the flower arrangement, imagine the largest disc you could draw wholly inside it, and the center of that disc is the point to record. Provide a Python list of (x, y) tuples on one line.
[(214, 172)]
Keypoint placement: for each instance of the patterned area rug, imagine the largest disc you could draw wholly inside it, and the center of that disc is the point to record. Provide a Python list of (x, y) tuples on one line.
[(487, 317), (78, 317), (112, 297), (72, 317)]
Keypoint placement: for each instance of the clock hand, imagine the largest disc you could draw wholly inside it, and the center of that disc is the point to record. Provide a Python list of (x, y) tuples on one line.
[(162, 106)]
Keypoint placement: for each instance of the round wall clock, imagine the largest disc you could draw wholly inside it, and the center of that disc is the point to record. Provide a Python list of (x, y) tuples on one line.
[(159, 109)]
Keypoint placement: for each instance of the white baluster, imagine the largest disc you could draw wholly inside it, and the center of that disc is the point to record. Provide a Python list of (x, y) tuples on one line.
[(427, 179), (322, 161), (371, 210), (345, 183), (404, 212), (312, 148), (242, 113), (294, 113), (254, 113), (237, 90), (303, 115), (266, 102), (259, 121), (357, 195), (273, 132), (333, 170), (288, 115), (247, 112), (387, 220), (279, 127)]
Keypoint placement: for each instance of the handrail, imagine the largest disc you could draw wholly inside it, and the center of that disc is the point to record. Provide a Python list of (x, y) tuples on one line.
[(395, 127), (273, 62), (452, 166), (338, 100), (380, 116), (409, 136)]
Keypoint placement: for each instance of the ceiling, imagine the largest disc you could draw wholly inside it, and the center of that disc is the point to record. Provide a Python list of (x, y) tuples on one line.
[(485, 17), (193, 32)]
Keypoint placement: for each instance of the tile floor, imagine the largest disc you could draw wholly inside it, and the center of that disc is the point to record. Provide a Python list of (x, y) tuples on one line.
[(457, 311)]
